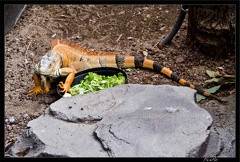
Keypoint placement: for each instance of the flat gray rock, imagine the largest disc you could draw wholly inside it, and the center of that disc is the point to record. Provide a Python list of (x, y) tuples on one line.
[(50, 137), (155, 124), (124, 121)]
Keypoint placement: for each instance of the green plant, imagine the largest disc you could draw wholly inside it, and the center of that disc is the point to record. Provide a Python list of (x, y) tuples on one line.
[(94, 82), (217, 80)]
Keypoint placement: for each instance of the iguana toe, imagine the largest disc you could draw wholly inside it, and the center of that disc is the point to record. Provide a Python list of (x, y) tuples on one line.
[(35, 91), (65, 87)]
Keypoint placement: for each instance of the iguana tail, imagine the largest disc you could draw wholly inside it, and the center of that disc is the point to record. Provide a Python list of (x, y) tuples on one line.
[(131, 61)]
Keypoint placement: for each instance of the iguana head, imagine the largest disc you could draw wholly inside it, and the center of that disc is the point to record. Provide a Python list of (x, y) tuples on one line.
[(49, 65)]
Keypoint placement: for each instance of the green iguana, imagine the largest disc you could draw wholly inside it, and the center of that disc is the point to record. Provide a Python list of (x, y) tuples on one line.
[(66, 59)]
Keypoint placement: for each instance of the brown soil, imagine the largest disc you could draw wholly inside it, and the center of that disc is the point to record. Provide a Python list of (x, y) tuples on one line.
[(130, 29)]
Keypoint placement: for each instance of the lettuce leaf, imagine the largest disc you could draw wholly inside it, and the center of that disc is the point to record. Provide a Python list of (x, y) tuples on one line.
[(94, 82)]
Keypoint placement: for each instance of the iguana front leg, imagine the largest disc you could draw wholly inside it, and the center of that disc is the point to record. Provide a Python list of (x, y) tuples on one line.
[(46, 82), (70, 72), (69, 79), (37, 89)]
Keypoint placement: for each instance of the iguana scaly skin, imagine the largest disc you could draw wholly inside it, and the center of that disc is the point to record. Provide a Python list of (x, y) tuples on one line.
[(65, 59)]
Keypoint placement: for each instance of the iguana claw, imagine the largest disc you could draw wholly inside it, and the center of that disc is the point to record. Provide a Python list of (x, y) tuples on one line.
[(35, 91), (65, 87)]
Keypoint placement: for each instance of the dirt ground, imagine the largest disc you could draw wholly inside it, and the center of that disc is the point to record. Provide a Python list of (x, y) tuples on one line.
[(133, 29)]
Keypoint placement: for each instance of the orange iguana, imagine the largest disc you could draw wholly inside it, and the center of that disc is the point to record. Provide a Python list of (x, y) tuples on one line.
[(65, 59)]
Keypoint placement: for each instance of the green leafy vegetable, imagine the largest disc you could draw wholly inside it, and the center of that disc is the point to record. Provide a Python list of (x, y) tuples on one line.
[(94, 82)]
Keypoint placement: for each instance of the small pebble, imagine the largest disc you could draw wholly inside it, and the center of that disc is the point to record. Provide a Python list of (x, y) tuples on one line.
[(25, 115), (6, 120), (12, 120), (9, 127)]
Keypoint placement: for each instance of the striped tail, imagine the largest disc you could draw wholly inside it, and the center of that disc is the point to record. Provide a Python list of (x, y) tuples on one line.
[(131, 61)]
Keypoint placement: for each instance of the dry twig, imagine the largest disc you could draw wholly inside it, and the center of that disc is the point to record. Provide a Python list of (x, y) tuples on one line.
[(119, 37), (25, 61)]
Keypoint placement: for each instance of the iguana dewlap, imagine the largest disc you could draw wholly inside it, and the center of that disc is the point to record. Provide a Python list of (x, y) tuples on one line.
[(65, 59)]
